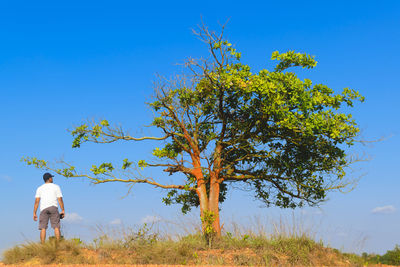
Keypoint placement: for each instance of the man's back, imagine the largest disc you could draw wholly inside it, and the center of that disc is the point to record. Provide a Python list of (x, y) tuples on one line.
[(48, 194)]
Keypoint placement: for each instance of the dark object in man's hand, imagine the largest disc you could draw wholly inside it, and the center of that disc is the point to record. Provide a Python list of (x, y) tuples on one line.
[(62, 216)]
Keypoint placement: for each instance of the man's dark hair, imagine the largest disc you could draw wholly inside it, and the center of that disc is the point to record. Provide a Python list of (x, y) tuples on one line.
[(47, 176)]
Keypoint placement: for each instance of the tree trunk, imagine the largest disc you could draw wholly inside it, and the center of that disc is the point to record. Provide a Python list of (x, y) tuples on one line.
[(202, 194), (215, 190), (214, 205), (201, 190), (209, 203), (209, 207)]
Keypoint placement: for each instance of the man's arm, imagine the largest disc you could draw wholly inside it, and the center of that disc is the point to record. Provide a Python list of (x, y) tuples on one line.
[(61, 202), (35, 207)]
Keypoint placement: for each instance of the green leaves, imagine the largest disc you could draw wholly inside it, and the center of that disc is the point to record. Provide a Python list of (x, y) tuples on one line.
[(189, 198), (169, 151), (42, 164), (291, 59), (207, 220), (142, 164), (92, 132), (67, 172), (104, 123), (158, 122), (38, 163), (102, 169), (227, 49), (80, 135), (126, 164)]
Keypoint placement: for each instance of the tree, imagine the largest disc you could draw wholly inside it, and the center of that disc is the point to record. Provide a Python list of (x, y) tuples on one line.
[(222, 124)]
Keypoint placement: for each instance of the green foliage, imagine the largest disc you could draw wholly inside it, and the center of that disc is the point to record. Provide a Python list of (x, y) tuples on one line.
[(292, 59), (207, 220), (391, 257), (142, 164), (38, 163), (80, 134), (104, 123), (67, 172), (102, 169), (126, 164), (280, 135), (169, 151), (42, 164), (87, 132), (188, 198)]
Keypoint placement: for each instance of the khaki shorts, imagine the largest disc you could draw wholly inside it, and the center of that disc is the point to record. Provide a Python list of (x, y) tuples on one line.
[(49, 213)]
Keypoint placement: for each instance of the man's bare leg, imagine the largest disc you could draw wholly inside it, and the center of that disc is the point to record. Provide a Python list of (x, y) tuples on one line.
[(57, 233), (42, 235)]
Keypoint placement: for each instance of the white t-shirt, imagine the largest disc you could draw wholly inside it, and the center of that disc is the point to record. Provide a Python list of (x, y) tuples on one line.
[(48, 194)]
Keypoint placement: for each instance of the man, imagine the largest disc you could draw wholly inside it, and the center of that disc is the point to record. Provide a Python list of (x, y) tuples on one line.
[(48, 194)]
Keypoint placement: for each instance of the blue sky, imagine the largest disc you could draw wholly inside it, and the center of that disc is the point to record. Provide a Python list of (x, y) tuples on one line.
[(63, 63)]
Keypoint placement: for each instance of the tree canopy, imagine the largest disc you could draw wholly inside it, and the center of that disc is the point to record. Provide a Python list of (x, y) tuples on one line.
[(221, 123)]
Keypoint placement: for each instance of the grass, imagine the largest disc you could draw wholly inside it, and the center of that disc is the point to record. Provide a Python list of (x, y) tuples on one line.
[(64, 252), (143, 246)]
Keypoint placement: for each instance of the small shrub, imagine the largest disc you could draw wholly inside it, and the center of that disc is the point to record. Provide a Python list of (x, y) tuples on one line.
[(391, 257), (242, 260)]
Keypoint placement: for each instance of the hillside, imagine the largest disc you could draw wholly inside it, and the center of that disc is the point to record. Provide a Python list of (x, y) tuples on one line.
[(148, 249)]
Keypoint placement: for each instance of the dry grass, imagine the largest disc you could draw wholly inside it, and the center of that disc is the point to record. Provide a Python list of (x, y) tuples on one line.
[(143, 246), (64, 252)]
